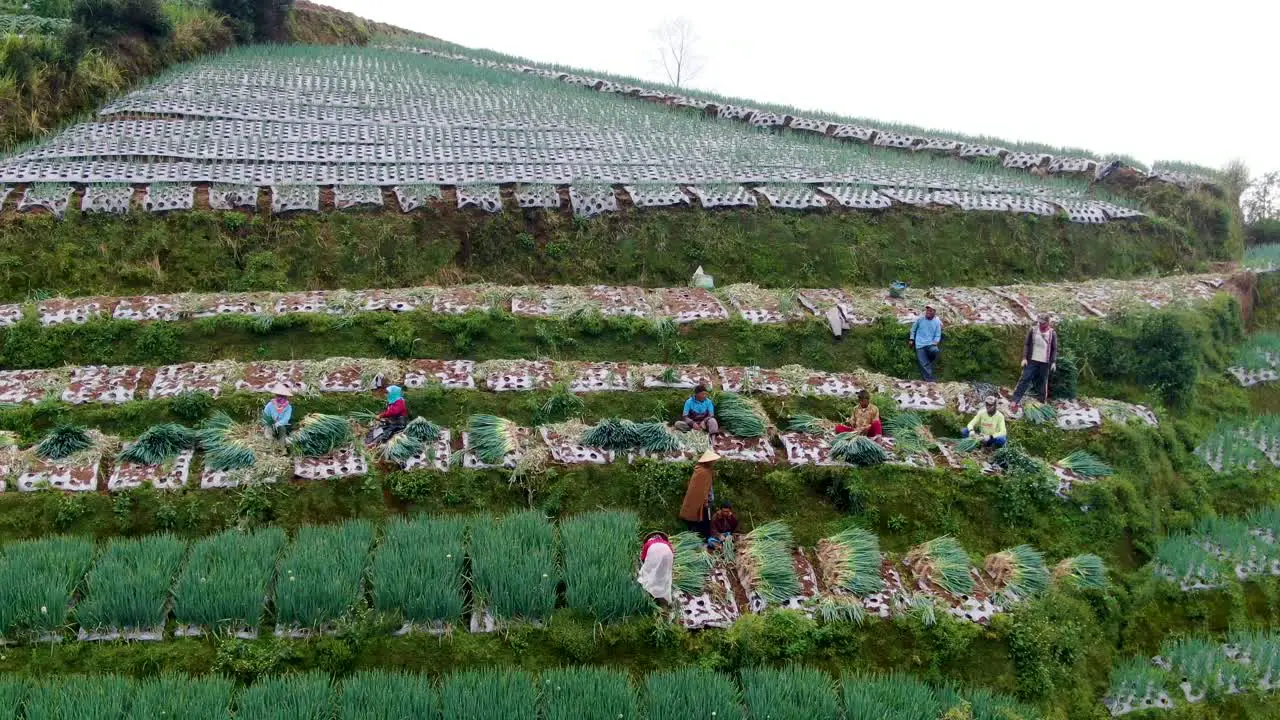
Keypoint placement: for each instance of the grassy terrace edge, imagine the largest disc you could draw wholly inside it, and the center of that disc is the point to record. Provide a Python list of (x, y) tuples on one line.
[(203, 251)]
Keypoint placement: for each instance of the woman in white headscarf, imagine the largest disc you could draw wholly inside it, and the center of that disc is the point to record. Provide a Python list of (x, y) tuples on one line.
[(656, 561)]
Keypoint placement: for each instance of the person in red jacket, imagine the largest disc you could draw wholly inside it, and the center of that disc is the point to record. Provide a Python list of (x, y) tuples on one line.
[(396, 416)]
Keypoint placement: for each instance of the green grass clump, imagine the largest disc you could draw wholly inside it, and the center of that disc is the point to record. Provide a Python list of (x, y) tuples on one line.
[(383, 695), (587, 693), (304, 696), (13, 690), (80, 697), (850, 560), (488, 694), (128, 586), (793, 693), (1198, 661), (178, 696), (600, 551), (986, 705), (942, 562), (513, 566), (227, 579), (417, 569), (319, 577), (37, 578), (878, 697), (692, 693), (158, 444)]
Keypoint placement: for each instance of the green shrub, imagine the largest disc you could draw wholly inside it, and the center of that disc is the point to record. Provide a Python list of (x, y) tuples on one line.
[(106, 20)]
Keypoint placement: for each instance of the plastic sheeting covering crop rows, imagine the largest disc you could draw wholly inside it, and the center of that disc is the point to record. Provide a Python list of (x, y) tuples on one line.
[(366, 117)]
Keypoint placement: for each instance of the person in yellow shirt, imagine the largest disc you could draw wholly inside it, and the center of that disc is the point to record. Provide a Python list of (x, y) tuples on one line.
[(989, 425), (865, 419)]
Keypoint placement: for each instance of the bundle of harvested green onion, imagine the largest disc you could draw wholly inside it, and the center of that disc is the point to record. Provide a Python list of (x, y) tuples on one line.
[(942, 562), (1038, 413), (319, 434), (622, 435), (691, 564), (1083, 572), (765, 565), (1085, 465), (967, 444), (908, 433), (492, 438), (850, 560), (857, 450), (1018, 571), (740, 416), (63, 442), (158, 444), (228, 446), (810, 424)]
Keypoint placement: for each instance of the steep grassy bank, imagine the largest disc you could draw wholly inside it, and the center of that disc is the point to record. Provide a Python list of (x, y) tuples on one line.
[(203, 251)]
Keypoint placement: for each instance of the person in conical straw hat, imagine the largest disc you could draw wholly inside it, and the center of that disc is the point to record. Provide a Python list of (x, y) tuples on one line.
[(657, 560), (699, 496), (277, 413)]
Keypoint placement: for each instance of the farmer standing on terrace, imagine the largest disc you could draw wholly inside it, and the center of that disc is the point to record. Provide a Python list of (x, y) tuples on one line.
[(926, 334), (1039, 358), (696, 508)]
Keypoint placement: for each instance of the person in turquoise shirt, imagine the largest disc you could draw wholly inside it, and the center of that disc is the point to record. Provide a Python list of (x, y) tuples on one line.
[(277, 413), (926, 335), (699, 413)]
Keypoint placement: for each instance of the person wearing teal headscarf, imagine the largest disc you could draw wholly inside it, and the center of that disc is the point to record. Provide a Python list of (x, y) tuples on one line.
[(396, 416)]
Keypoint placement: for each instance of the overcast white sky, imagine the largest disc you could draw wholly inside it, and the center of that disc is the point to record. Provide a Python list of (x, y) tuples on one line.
[(1159, 80)]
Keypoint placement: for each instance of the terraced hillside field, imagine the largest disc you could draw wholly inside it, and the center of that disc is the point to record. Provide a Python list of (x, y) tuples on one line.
[(513, 245)]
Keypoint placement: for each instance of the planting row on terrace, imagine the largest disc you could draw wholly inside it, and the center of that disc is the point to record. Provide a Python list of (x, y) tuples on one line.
[(325, 447), (435, 575), (1248, 445), (1219, 551), (585, 200), (1032, 160), (1004, 305), (573, 693), (122, 384), (1200, 668), (1257, 361), (361, 118)]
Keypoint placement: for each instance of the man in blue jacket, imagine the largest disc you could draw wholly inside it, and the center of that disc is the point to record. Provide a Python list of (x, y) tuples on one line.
[(926, 334), (699, 413)]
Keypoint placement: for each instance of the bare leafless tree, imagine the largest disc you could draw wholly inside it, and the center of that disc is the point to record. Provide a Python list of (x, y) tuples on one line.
[(678, 51)]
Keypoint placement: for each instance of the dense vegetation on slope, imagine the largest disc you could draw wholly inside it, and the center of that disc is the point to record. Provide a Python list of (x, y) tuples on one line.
[(110, 45), (204, 251)]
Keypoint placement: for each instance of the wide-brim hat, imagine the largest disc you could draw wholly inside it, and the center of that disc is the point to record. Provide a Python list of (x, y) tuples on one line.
[(655, 534), (280, 389), (709, 456)]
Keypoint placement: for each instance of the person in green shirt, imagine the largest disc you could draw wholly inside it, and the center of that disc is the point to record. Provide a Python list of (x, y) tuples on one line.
[(989, 425)]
